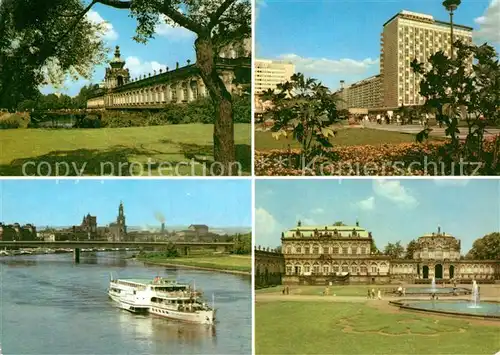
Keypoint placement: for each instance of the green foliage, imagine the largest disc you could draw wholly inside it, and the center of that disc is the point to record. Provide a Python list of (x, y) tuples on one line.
[(373, 247), (486, 248), (242, 244), (306, 108), (12, 121), (395, 251), (198, 111), (466, 87), (41, 43), (339, 224), (169, 252), (410, 249)]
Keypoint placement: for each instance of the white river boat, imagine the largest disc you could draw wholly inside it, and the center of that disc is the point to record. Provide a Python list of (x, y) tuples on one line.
[(162, 297)]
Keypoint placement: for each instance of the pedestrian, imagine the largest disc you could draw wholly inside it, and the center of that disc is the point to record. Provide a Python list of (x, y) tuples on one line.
[(404, 291), (379, 295)]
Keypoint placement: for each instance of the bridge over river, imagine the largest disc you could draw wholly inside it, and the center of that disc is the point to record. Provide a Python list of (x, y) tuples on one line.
[(184, 247)]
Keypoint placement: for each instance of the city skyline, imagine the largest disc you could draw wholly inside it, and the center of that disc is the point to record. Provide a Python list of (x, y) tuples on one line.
[(391, 209), (119, 30), (216, 203), (340, 40)]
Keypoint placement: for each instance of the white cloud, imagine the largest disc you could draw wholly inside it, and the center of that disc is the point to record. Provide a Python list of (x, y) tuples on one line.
[(489, 24), (367, 204), (394, 191), (176, 33), (267, 229), (329, 66), (109, 32), (136, 67), (451, 182), (318, 211), (306, 221)]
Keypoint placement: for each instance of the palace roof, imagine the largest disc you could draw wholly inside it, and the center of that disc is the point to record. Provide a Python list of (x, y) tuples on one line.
[(341, 231)]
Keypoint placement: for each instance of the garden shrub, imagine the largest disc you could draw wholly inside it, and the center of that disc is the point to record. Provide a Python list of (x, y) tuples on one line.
[(13, 121)]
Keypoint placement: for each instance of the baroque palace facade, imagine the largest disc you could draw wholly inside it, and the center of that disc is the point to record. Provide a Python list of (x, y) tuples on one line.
[(329, 253), (179, 85)]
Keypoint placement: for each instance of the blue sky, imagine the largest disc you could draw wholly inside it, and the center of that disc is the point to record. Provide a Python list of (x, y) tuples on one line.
[(216, 203), (340, 39), (171, 45), (391, 209)]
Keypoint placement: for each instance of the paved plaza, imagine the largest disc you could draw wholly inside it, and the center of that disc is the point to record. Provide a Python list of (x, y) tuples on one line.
[(415, 129)]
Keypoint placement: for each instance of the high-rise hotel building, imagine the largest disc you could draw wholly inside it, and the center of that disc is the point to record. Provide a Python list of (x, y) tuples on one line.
[(270, 73), (406, 36)]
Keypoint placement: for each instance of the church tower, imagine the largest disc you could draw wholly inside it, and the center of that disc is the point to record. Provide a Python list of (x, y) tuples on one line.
[(120, 220), (116, 75)]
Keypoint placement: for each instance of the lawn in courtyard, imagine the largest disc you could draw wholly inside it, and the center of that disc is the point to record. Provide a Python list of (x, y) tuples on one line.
[(222, 262), (102, 151), (295, 327), (345, 137)]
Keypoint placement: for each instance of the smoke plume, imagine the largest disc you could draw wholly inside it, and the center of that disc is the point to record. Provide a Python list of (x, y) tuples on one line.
[(160, 217)]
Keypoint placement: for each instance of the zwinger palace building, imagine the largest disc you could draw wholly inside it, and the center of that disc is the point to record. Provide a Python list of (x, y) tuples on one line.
[(329, 253), (181, 84)]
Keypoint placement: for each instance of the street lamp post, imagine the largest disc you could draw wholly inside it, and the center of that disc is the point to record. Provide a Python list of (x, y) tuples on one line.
[(450, 6)]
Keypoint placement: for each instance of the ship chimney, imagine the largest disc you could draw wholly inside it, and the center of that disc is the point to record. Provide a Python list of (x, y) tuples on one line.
[(163, 227), (342, 84), (439, 230)]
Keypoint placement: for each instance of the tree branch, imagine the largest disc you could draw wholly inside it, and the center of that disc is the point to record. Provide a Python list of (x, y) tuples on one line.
[(214, 18), (181, 19), (116, 3), (222, 39)]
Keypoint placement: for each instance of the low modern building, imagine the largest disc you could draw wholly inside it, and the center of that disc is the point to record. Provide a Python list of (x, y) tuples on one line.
[(365, 94), (325, 254), (179, 85)]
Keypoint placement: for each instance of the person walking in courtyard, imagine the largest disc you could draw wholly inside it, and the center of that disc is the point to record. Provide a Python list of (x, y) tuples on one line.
[(404, 291), (369, 296), (373, 293), (379, 295)]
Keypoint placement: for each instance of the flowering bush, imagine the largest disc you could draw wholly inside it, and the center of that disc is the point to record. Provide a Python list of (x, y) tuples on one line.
[(433, 158)]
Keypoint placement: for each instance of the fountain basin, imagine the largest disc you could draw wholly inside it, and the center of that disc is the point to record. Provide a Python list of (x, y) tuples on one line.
[(485, 309), (419, 291)]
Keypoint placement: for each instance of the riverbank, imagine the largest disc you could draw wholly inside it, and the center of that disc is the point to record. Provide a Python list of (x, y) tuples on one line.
[(230, 264)]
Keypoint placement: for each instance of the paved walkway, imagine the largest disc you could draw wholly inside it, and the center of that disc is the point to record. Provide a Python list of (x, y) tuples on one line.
[(414, 129), (266, 297)]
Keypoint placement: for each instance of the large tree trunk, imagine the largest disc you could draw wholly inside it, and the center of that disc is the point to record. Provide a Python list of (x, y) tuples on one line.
[(224, 150)]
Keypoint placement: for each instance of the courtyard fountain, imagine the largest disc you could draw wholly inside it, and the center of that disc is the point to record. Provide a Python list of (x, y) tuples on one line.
[(433, 284), (475, 296), (462, 307)]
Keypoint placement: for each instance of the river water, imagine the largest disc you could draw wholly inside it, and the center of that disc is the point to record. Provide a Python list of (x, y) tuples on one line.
[(49, 305)]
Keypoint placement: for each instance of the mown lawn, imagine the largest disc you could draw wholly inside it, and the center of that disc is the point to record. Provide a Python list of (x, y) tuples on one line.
[(223, 262), (117, 151), (291, 327), (345, 137)]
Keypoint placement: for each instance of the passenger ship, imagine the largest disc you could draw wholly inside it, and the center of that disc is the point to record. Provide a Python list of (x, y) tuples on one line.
[(162, 297)]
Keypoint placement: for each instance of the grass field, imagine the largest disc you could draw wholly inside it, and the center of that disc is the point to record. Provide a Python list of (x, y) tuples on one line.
[(296, 327), (345, 136), (224, 262), (116, 151)]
